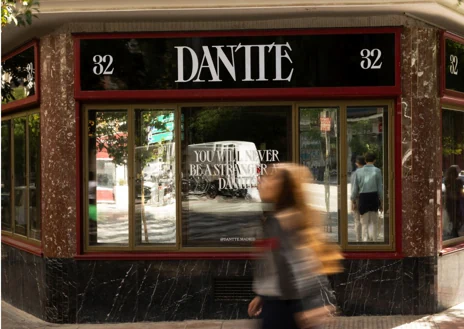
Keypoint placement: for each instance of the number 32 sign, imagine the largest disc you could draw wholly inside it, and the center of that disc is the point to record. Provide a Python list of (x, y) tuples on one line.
[(99, 68), (366, 62)]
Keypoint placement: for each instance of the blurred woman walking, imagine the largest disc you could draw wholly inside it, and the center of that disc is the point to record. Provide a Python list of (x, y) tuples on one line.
[(290, 280)]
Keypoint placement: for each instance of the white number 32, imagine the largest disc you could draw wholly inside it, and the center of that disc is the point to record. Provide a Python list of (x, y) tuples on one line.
[(366, 62), (99, 60)]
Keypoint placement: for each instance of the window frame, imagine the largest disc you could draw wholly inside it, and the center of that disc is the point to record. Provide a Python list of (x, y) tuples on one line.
[(12, 236), (447, 106), (30, 100), (178, 248), (344, 193)]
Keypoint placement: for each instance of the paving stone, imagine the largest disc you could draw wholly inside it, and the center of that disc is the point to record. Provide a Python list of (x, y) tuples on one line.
[(453, 318)]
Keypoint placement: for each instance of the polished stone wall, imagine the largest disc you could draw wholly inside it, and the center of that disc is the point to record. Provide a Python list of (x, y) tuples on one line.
[(58, 140), (23, 280), (74, 291), (420, 141)]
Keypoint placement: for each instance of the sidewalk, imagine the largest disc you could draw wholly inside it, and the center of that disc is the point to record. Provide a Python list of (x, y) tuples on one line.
[(453, 318)]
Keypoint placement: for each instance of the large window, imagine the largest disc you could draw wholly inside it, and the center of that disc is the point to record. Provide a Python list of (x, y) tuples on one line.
[(185, 177), (224, 151), (21, 176), (131, 178), (453, 177), (331, 138)]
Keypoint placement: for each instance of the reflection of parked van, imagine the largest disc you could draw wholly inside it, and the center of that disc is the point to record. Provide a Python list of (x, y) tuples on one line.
[(229, 164)]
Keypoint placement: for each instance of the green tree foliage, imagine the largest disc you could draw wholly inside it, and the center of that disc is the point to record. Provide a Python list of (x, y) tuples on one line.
[(19, 12), (363, 141), (109, 130)]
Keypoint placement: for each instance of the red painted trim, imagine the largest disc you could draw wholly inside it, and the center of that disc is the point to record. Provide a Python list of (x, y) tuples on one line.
[(213, 255), (239, 94), (398, 60), (19, 104), (451, 250), (77, 67), (440, 219), (24, 246), (79, 230), (448, 92), (373, 255), (450, 100), (37, 70), (232, 33), (163, 256), (454, 37), (30, 100), (398, 178), (243, 94), (441, 64)]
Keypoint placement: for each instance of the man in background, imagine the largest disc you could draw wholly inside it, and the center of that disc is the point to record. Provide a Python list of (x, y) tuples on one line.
[(360, 162), (367, 188)]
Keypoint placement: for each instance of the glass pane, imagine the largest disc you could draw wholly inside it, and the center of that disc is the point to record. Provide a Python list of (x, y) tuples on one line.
[(319, 149), (453, 175), (6, 176), (108, 176), (155, 208), (34, 176), (20, 188), (368, 203), (224, 150)]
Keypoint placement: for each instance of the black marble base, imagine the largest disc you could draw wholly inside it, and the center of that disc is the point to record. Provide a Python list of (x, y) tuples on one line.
[(70, 291)]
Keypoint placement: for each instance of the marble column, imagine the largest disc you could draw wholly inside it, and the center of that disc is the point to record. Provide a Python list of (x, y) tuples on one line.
[(58, 126), (421, 147)]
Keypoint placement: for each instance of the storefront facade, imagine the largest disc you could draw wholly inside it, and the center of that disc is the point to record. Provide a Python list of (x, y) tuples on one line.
[(137, 157)]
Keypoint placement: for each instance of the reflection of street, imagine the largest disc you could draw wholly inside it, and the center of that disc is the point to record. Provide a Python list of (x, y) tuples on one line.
[(207, 221), (317, 197), (113, 225), (317, 201)]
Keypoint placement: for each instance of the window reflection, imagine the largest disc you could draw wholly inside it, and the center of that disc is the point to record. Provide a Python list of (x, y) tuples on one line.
[(155, 190), (453, 174), (224, 151), (6, 173), (368, 204), (319, 149), (34, 176), (108, 190), (20, 188)]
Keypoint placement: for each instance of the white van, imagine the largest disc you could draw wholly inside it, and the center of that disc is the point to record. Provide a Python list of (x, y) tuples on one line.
[(229, 164)]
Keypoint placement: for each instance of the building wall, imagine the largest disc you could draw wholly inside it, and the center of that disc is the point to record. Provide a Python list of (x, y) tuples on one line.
[(76, 291), (450, 280)]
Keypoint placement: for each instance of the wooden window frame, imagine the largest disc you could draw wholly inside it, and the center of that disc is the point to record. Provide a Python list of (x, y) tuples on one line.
[(392, 248), (11, 237)]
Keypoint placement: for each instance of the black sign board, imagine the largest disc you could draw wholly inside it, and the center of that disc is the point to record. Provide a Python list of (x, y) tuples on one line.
[(228, 62), (454, 58), (18, 76)]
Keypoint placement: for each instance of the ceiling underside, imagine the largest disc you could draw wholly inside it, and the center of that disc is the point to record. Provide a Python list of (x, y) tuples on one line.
[(444, 17)]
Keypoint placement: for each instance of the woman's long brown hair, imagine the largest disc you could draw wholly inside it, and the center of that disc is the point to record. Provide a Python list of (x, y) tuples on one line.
[(308, 222)]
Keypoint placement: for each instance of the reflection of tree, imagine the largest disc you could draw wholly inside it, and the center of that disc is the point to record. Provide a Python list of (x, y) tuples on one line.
[(18, 77), (139, 64), (451, 146), (259, 125), (364, 141), (110, 131), (147, 121), (19, 134)]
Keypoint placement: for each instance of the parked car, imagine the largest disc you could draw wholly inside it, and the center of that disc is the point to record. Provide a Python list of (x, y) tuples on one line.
[(138, 191)]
